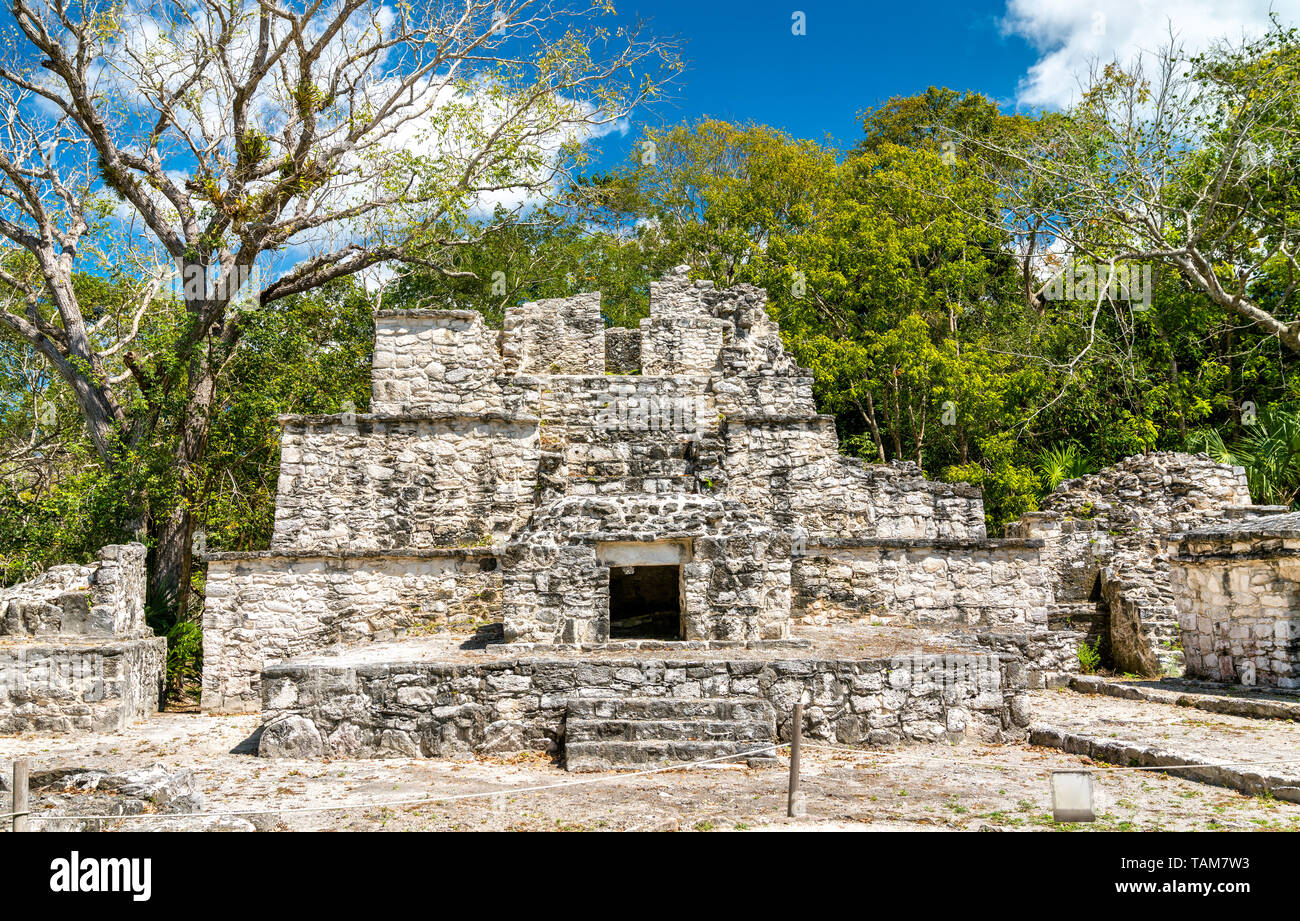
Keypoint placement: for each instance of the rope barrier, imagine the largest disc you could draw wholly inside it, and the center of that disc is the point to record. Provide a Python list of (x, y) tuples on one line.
[(1145, 767), (428, 800), (623, 775)]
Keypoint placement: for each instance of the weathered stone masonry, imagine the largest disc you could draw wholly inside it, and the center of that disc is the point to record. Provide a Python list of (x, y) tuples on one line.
[(439, 709), (273, 605), (75, 651), (1237, 587), (558, 451), (1105, 548)]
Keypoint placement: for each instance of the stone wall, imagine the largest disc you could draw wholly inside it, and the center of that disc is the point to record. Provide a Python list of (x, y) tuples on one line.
[(264, 607), (1050, 657), (438, 709), (64, 686), (626, 434), (403, 482), (682, 345), (735, 571), (1105, 541), (622, 350), (555, 336), (435, 361), (75, 652), (1237, 587), (941, 585), (789, 469)]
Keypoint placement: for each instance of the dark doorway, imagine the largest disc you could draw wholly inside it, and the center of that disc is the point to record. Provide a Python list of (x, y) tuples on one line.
[(644, 603)]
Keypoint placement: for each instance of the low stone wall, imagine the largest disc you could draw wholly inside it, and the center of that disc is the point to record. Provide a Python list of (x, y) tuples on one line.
[(62, 687), (1237, 587), (1051, 657), (947, 585), (423, 709), (263, 607)]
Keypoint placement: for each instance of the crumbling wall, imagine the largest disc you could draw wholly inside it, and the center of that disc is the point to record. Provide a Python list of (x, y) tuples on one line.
[(440, 361), (556, 336), (1105, 540), (265, 607), (401, 482), (1237, 588), (682, 345), (104, 598)]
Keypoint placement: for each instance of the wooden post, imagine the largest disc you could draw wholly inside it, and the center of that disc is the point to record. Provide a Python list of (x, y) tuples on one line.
[(20, 797), (794, 804)]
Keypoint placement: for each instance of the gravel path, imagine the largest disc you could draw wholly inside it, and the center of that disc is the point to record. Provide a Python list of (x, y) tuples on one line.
[(934, 787), (1215, 735)]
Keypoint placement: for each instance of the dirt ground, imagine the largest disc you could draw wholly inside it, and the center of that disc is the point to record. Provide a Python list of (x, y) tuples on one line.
[(936, 787)]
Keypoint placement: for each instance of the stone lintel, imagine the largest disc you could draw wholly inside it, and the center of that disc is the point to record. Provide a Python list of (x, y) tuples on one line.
[(643, 553)]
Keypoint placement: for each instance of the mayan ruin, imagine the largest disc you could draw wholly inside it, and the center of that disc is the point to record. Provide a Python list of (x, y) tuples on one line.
[(613, 512), (647, 416)]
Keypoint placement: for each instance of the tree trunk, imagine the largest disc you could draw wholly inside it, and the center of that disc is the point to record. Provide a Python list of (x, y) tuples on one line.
[(169, 585), (870, 418)]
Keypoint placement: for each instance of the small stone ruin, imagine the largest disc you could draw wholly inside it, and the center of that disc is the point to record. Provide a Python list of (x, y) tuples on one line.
[(1106, 546), (75, 651), (637, 546), (1237, 586)]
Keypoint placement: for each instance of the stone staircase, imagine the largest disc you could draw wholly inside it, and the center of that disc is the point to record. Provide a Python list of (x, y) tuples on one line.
[(624, 733)]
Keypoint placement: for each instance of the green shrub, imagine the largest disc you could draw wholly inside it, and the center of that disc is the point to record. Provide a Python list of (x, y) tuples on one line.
[(184, 652), (1089, 656)]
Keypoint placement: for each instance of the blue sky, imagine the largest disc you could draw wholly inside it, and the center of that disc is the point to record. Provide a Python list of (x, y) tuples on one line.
[(745, 64)]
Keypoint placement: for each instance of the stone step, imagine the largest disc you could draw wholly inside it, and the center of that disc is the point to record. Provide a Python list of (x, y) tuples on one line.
[(671, 708), (666, 731), (607, 756), (1066, 615), (610, 733)]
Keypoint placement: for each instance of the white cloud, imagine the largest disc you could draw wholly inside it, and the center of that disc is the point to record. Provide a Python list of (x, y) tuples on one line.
[(1070, 35)]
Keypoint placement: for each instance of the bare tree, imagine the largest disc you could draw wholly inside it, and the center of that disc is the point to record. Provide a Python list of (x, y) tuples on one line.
[(1174, 161), (293, 140)]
